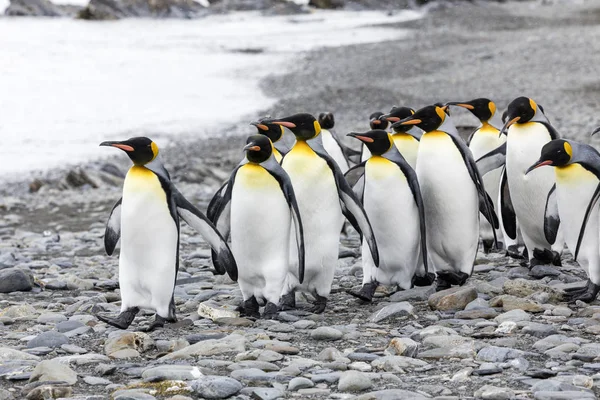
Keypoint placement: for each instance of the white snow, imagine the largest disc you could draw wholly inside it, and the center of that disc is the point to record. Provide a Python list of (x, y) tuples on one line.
[(66, 85)]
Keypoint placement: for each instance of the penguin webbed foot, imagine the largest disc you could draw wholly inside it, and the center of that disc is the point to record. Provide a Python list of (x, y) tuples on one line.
[(366, 292), (251, 308), (319, 305), (488, 245), (513, 252), (545, 257), (270, 311), (159, 322), (123, 320), (426, 280), (586, 294), (288, 301), (452, 277)]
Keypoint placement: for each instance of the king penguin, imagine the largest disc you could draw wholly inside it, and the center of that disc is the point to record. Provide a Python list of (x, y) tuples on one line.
[(392, 200), (528, 130), (257, 209), (331, 143), (453, 194), (324, 197), (482, 140), (406, 137), (146, 220), (375, 122), (577, 169)]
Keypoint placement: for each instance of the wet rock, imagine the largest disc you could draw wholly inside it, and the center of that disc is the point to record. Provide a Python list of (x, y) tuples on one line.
[(216, 387), (15, 280), (48, 339), (354, 381), (326, 333), (54, 371), (230, 344), (455, 298)]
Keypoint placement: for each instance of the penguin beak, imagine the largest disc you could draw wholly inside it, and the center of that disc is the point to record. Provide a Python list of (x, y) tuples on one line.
[(260, 126), (388, 118), (361, 137), (408, 121), (459, 104), (119, 145), (507, 125), (252, 147), (595, 131), (374, 121), (282, 122), (538, 164)]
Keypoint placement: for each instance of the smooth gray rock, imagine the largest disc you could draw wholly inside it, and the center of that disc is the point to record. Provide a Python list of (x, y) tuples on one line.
[(489, 392), (171, 372), (300, 383), (391, 394), (516, 315), (539, 330), (67, 326), (498, 354), (216, 387), (414, 294), (487, 369), (95, 380), (400, 309), (326, 333), (12, 279), (267, 394), (48, 339), (354, 381), (116, 9), (52, 370), (571, 395)]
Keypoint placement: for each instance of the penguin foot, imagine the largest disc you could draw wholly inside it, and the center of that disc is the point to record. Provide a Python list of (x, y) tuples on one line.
[(488, 245), (270, 311), (123, 320), (545, 256), (159, 322), (426, 280), (513, 252), (453, 277), (288, 301), (556, 261), (586, 294), (366, 292), (320, 305), (251, 308)]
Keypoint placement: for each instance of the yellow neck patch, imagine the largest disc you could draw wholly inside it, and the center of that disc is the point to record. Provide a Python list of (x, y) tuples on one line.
[(492, 108), (317, 128), (568, 149), (154, 150), (533, 105), (440, 113)]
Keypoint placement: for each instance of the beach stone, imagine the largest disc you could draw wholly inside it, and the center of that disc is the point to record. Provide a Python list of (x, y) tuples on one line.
[(435, 330), (414, 294), (487, 369), (513, 316), (498, 354), (489, 392), (455, 298), (300, 383), (45, 392), (354, 381), (95, 380), (477, 304), (21, 311), (67, 326), (8, 354), (171, 372), (304, 324), (485, 313), (122, 344), (566, 395), (50, 339), (233, 343), (360, 366), (51, 318), (554, 340), (465, 350), (267, 394), (212, 310), (539, 330), (329, 354), (522, 288), (6, 395), (51, 370), (402, 347), (15, 280), (397, 363), (393, 310), (326, 334), (216, 387), (391, 394), (508, 303), (167, 346)]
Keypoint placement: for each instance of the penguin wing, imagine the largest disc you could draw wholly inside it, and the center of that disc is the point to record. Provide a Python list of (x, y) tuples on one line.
[(586, 217), (355, 177), (215, 203), (553, 133), (346, 151), (551, 217), (351, 207), (509, 218), (492, 160), (288, 191), (485, 203), (112, 234), (202, 224)]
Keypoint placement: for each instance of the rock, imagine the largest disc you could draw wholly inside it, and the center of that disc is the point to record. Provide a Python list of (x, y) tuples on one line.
[(354, 381), (507, 328), (489, 392), (436, 330), (477, 313), (402, 347), (24, 311), (553, 341), (216, 387), (397, 363), (116, 9), (487, 369), (267, 394), (171, 372), (414, 294), (522, 288), (67, 326), (39, 8), (391, 394), (45, 392), (514, 316), (50, 339), (498, 354), (51, 318), (566, 395), (393, 310), (300, 383), (304, 324), (477, 304), (326, 4), (463, 351), (8, 354), (229, 344), (123, 344), (541, 271), (539, 330), (329, 354), (51, 370), (94, 381), (508, 303), (212, 310), (455, 298), (12, 279), (326, 333)]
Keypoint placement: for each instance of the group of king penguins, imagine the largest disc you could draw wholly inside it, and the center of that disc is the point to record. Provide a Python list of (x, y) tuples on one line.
[(419, 195)]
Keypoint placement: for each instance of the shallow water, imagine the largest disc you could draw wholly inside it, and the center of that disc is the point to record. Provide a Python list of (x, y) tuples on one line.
[(66, 85)]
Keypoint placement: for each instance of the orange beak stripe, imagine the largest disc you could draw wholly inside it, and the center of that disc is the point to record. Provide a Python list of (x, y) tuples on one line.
[(411, 122), (285, 123), (123, 147), (365, 139)]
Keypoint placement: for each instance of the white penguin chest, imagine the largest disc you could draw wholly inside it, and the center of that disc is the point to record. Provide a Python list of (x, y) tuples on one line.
[(335, 151), (408, 146)]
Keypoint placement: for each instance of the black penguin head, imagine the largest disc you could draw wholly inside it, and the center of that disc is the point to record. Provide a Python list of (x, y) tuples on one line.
[(304, 126), (519, 111), (258, 148), (484, 109), (443, 106), (427, 118), (272, 131), (140, 150), (326, 120), (376, 123), (557, 153), (377, 141), (396, 114)]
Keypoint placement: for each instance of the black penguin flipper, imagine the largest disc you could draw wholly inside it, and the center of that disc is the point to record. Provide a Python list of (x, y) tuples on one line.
[(509, 218), (355, 177), (215, 202), (486, 205), (194, 217), (112, 234), (492, 160), (222, 220), (551, 217), (288, 191), (553, 132), (351, 206), (471, 137), (586, 218)]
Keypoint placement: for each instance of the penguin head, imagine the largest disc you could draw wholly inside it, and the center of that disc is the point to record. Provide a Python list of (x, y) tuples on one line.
[(443, 106), (484, 109), (377, 141), (272, 131), (258, 148), (375, 121), (427, 118), (396, 114), (304, 126), (557, 153), (326, 120), (522, 110), (140, 150)]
